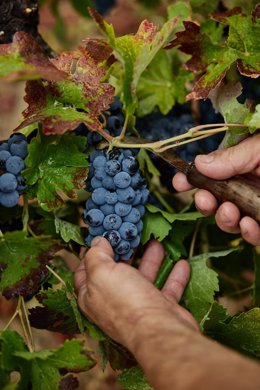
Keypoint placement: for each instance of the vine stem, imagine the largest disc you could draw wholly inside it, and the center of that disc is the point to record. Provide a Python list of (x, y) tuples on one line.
[(25, 313), (25, 216), (56, 275), (194, 238), (195, 133), (123, 132), (13, 317)]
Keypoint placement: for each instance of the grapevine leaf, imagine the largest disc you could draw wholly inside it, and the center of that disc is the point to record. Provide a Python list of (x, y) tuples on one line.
[(253, 119), (171, 217), (57, 312), (174, 243), (212, 58), (203, 7), (241, 332), (217, 313), (42, 370), (199, 294), (179, 9), (135, 52), (117, 355), (68, 231), (155, 225), (24, 59), (146, 163), (81, 98), (256, 291), (23, 262), (225, 101), (160, 86), (56, 167), (134, 379), (245, 6), (10, 341)]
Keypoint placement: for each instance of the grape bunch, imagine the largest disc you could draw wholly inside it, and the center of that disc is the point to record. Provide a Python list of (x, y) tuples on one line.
[(156, 126), (12, 155), (118, 199)]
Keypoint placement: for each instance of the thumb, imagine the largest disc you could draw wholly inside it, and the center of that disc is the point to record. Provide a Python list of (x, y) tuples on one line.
[(101, 251), (225, 163)]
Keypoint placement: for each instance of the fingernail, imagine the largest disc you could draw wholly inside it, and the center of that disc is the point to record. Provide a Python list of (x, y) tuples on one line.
[(225, 219), (95, 241), (244, 232), (206, 158)]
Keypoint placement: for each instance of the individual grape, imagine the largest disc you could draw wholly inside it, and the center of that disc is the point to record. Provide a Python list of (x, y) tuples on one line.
[(116, 106), (19, 148), (130, 165), (134, 216), (14, 165), (100, 173), (128, 231), (112, 222), (140, 226), (122, 209), (113, 237), (123, 247), (93, 138), (137, 181), (16, 138), (107, 209), (138, 198), (99, 162), (98, 196), (90, 204), (21, 185), (9, 199), (4, 146), (4, 156), (141, 209), (126, 195), (135, 242), (8, 182), (145, 195), (88, 240), (122, 180), (108, 183), (95, 183), (96, 231), (128, 255), (95, 154), (112, 167), (114, 124), (111, 197), (94, 217)]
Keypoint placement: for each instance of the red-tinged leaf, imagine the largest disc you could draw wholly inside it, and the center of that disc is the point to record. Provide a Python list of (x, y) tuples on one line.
[(81, 98), (25, 59), (23, 263), (69, 382), (98, 49), (256, 13)]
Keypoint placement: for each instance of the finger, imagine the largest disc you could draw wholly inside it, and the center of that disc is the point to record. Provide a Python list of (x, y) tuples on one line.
[(177, 281), (100, 253), (250, 230), (80, 276), (151, 260), (225, 163), (228, 217), (205, 202), (180, 182)]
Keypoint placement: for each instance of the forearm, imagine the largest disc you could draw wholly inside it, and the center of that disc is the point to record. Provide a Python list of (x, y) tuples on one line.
[(174, 356)]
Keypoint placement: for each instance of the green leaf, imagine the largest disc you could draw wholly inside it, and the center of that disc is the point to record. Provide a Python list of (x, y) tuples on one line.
[(160, 86), (216, 314), (171, 217), (246, 6), (135, 53), (68, 231), (23, 262), (174, 243), (199, 294), (253, 119), (56, 167), (213, 58), (10, 341), (134, 379), (23, 59), (146, 163), (41, 370), (181, 9), (225, 101), (155, 225), (241, 332), (256, 291)]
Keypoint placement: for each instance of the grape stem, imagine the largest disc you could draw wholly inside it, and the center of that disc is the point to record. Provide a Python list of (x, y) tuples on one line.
[(194, 133), (123, 132)]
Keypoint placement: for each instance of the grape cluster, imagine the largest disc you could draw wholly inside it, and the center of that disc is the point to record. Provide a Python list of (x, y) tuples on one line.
[(114, 120), (156, 126), (12, 155), (118, 199)]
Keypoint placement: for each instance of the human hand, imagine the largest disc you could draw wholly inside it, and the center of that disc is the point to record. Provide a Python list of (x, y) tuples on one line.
[(221, 164), (117, 296)]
